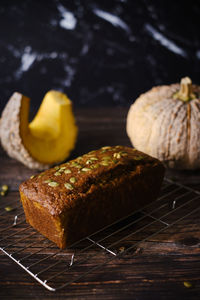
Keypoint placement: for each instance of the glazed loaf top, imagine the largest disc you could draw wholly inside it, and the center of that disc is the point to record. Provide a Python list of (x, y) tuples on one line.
[(60, 187)]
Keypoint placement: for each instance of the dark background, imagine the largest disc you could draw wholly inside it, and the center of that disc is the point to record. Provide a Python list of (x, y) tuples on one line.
[(101, 53)]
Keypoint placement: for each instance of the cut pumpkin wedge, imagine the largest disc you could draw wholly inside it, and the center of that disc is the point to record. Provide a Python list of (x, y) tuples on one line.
[(48, 139)]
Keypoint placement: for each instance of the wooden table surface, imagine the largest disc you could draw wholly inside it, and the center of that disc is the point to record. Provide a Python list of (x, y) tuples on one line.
[(157, 269)]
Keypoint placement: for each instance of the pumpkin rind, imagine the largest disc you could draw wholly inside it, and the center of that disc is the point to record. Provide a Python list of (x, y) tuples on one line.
[(167, 128), (10, 134)]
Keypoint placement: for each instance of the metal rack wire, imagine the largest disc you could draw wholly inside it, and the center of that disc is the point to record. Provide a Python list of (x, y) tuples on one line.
[(55, 269)]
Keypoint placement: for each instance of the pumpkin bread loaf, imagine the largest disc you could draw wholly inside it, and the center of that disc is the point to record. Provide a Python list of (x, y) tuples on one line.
[(71, 201)]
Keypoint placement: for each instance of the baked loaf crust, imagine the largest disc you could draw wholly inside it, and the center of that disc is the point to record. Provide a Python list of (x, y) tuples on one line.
[(71, 201)]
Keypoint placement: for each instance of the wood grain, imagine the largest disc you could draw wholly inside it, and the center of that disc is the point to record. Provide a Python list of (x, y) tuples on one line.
[(155, 269)]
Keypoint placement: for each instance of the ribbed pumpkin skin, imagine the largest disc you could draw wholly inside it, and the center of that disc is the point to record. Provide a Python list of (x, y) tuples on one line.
[(166, 128)]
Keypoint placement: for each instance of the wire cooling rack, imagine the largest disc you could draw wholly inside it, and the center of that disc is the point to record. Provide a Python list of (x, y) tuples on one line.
[(55, 268)]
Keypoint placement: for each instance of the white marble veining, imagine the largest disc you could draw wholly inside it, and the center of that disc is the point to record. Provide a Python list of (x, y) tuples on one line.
[(113, 19), (70, 72), (27, 59), (164, 41), (98, 52), (198, 54), (68, 20)]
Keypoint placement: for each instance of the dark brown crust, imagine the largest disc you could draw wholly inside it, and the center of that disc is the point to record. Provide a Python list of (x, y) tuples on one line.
[(99, 197)]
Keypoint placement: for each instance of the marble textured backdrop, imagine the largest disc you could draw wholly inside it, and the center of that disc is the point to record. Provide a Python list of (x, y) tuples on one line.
[(101, 53)]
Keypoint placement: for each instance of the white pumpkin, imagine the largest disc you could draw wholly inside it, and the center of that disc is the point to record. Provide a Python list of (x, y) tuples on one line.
[(165, 123)]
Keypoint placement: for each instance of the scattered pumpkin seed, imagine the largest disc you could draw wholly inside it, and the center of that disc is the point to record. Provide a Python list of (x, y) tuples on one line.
[(53, 184), (56, 167), (121, 249), (67, 171), (105, 147), (104, 163), (117, 155), (9, 208), (47, 181), (4, 187), (68, 186), (85, 169), (3, 193), (32, 176), (57, 174), (72, 179), (187, 284)]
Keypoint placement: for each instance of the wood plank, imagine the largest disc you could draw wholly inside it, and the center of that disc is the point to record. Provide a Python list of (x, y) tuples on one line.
[(155, 269)]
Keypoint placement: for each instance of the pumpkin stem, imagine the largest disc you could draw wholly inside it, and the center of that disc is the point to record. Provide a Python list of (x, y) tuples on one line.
[(185, 93)]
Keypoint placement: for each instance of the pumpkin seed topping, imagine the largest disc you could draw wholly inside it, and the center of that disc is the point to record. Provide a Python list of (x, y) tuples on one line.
[(105, 163), (138, 157), (72, 179), (79, 158), (89, 161), (78, 166), (62, 168), (56, 167), (93, 158), (9, 208), (115, 161), (32, 176), (91, 152), (96, 166), (57, 174), (68, 186), (103, 151), (106, 157), (67, 171), (117, 155), (53, 184), (85, 169), (47, 181), (105, 147), (123, 153)]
